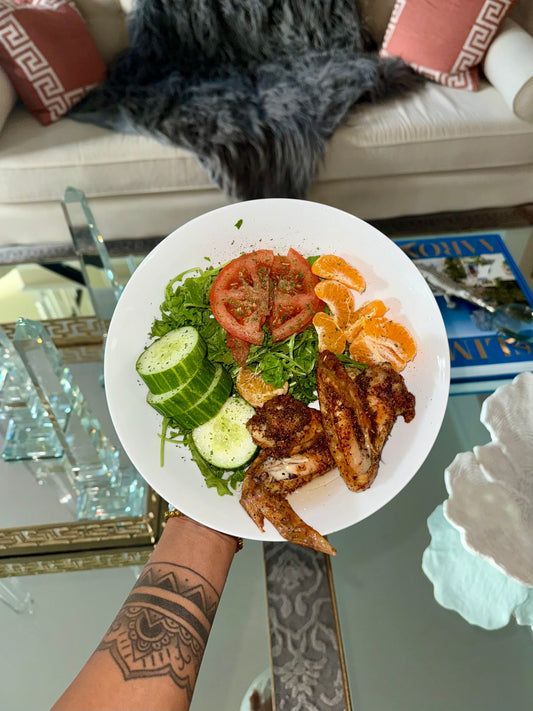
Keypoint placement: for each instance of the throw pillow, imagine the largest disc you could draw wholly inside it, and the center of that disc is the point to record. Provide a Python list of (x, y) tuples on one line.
[(444, 40), (49, 55)]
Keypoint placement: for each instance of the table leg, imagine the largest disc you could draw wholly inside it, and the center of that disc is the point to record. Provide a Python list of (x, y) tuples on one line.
[(308, 668)]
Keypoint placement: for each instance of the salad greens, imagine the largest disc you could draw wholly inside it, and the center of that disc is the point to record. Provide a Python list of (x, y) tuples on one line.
[(186, 303)]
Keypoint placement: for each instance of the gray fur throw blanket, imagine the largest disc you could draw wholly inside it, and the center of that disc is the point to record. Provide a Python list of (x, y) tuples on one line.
[(254, 88)]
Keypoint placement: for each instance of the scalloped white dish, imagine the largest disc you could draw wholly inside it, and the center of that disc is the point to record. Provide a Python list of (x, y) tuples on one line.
[(312, 229), (491, 489)]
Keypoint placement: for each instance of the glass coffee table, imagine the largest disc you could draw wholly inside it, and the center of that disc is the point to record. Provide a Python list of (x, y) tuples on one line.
[(361, 631)]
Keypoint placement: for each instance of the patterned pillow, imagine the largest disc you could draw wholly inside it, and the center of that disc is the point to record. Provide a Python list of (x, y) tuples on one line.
[(49, 55), (445, 40)]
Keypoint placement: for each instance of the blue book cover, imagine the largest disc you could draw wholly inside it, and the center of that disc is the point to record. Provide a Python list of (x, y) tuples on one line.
[(482, 262)]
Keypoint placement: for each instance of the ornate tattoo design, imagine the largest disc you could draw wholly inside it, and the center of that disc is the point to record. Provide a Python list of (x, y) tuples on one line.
[(163, 626)]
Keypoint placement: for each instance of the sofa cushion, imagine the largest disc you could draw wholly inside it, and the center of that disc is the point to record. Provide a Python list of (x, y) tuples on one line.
[(445, 41), (522, 13), (41, 43), (37, 163), (106, 22), (8, 97), (376, 16), (436, 129), (508, 65)]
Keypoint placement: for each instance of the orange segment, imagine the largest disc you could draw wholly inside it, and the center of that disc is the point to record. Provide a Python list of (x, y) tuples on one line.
[(370, 309), (380, 340), (329, 266), (252, 387), (339, 300), (330, 338)]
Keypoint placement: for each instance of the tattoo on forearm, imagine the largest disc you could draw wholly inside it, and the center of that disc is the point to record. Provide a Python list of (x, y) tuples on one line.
[(163, 626)]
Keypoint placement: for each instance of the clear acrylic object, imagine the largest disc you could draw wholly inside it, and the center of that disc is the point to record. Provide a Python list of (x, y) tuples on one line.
[(29, 433), (91, 463), (89, 246), (85, 445), (15, 596)]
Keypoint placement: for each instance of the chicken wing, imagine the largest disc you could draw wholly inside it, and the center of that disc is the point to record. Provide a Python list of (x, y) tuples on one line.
[(295, 451), (284, 425), (358, 413)]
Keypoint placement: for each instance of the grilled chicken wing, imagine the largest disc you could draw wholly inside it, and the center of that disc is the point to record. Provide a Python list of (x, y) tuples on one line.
[(261, 503), (358, 413), (295, 451), (285, 425)]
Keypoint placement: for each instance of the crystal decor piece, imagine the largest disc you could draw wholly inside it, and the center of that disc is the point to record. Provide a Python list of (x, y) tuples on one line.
[(15, 596), (88, 451), (29, 434), (126, 498), (98, 274)]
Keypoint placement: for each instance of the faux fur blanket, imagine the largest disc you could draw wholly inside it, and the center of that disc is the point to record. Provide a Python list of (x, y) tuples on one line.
[(255, 88)]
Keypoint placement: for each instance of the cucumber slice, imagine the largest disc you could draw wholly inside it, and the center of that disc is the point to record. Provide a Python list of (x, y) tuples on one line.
[(211, 401), (208, 404), (185, 396), (224, 440), (171, 360)]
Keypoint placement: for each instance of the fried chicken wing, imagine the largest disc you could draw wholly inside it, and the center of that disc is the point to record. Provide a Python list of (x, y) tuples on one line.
[(358, 413), (295, 451), (260, 504), (285, 425)]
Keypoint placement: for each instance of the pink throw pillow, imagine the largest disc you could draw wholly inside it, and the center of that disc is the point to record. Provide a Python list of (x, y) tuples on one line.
[(444, 39), (49, 55)]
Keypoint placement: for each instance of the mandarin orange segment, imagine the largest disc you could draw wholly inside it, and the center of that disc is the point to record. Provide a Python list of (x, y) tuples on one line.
[(252, 387), (330, 338), (370, 309), (339, 300), (379, 340), (374, 352), (329, 266)]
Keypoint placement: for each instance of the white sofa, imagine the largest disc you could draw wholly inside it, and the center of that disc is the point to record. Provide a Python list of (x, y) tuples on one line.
[(439, 149)]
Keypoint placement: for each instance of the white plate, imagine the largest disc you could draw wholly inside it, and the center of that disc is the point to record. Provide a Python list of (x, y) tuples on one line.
[(312, 229)]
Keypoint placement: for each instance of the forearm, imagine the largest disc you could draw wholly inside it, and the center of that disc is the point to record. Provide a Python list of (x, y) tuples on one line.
[(150, 656)]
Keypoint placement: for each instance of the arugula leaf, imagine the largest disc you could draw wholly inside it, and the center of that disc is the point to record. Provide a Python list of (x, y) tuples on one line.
[(293, 360), (186, 303), (272, 370)]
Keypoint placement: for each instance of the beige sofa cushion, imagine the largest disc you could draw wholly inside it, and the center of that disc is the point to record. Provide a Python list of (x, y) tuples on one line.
[(8, 97), (36, 163), (509, 67), (376, 15), (437, 129), (522, 13), (106, 22)]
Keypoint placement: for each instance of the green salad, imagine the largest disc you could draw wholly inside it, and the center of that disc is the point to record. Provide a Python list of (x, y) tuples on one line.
[(186, 303)]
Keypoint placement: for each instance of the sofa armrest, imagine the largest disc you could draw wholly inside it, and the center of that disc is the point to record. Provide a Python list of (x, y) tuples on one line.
[(508, 65), (8, 97)]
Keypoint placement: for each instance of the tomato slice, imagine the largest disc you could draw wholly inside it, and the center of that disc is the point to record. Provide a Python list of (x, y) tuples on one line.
[(239, 349), (294, 302), (240, 296)]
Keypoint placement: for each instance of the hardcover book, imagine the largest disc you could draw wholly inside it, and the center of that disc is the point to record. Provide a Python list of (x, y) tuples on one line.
[(482, 263)]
